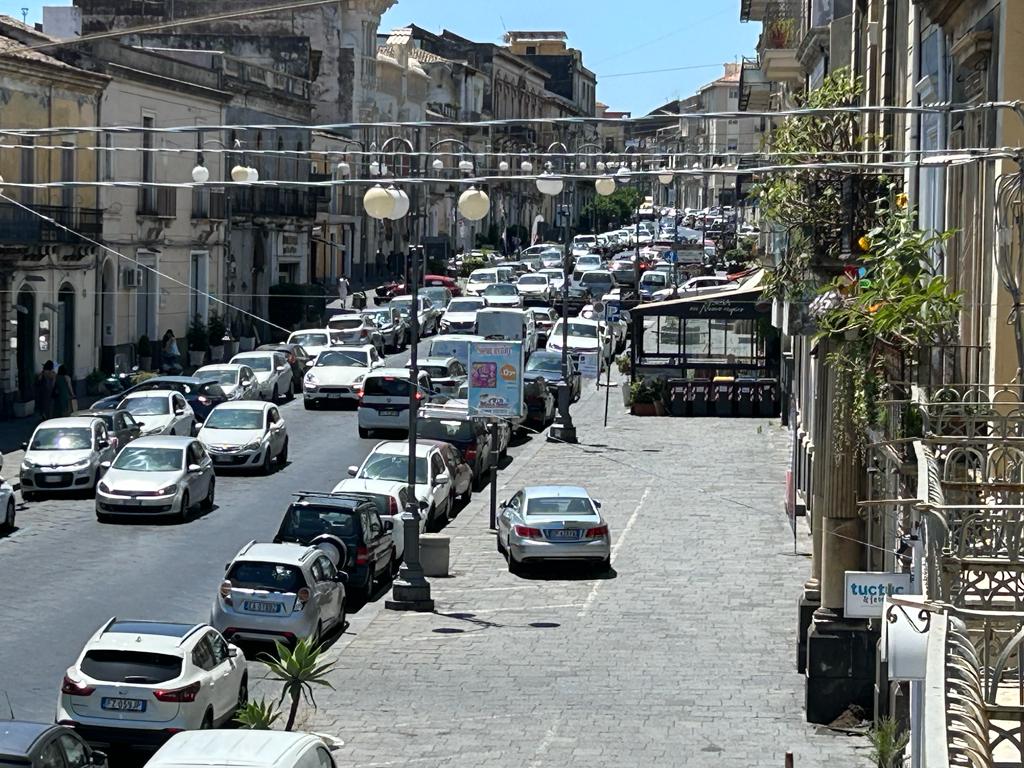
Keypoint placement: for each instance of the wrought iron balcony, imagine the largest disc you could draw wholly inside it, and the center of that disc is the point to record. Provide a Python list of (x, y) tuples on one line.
[(293, 203), (21, 227), (755, 88)]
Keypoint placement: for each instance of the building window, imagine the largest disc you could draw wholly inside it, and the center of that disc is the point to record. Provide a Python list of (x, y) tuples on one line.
[(67, 174), (148, 193), (531, 50), (733, 93), (199, 282), (108, 157)]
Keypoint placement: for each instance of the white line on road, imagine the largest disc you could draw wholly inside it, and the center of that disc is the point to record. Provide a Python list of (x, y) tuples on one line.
[(615, 552)]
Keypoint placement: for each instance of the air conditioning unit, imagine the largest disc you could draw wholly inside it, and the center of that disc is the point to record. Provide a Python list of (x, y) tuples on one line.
[(132, 277)]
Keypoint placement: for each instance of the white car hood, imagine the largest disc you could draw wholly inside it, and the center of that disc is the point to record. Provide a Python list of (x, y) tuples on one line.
[(459, 317), (355, 485), (57, 458), (126, 481), (229, 437), (575, 342), (503, 301), (263, 376), (154, 422), (526, 288), (337, 375)]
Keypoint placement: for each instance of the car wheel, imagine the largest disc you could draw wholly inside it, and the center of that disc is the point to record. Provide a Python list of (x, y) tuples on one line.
[(207, 723), (364, 434), (243, 693), (514, 566), (28, 496), (207, 504), (9, 515), (282, 457), (309, 405), (186, 505), (268, 462), (342, 617)]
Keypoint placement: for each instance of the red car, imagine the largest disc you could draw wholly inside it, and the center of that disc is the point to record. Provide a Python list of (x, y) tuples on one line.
[(431, 281)]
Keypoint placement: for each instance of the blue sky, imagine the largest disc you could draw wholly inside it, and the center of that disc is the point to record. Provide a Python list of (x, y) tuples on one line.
[(691, 37)]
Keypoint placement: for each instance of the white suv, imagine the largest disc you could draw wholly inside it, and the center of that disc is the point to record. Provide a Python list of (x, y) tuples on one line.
[(254, 749), (284, 592), (138, 682)]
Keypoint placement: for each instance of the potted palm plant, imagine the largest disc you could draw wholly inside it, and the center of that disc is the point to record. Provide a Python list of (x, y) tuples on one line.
[(198, 341)]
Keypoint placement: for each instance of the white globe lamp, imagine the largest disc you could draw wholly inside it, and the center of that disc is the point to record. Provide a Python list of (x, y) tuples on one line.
[(378, 202), (503, 166), (401, 203), (252, 175), (665, 176), (550, 185), (604, 186), (622, 175), (344, 169), (601, 165), (526, 166), (200, 174), (375, 168), (466, 166), (240, 174), (438, 164), (474, 204)]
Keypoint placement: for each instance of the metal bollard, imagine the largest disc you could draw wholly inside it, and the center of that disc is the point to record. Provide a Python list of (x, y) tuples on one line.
[(789, 760)]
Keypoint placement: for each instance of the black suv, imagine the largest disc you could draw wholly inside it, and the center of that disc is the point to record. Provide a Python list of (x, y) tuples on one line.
[(467, 434), (349, 523)]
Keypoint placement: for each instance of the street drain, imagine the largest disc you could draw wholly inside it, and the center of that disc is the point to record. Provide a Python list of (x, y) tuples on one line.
[(448, 630), (544, 625)]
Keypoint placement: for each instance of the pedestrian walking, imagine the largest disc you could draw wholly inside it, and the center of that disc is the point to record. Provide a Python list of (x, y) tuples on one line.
[(45, 381), (343, 287), (171, 354), (64, 393)]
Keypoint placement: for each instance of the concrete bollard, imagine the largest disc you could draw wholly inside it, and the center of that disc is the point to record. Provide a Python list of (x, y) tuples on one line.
[(435, 552)]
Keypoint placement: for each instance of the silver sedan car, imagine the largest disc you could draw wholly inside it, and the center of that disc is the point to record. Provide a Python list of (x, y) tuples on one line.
[(161, 476), (553, 522)]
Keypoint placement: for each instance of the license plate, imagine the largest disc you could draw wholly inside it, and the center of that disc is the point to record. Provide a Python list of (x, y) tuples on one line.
[(334, 395), (389, 413), (132, 502), (259, 606), (123, 705), (52, 479), (570, 534)]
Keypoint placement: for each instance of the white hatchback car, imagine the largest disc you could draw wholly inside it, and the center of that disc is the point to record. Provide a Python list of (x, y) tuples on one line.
[(384, 399), (272, 372), (138, 682), (161, 412), (283, 592), (252, 749), (245, 435)]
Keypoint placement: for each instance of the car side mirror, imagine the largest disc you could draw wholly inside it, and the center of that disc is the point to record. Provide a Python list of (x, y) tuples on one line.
[(389, 525), (341, 577), (179, 411), (282, 368), (596, 503), (102, 443), (441, 479), (193, 468), (352, 471), (97, 758), (309, 363), (105, 464), (232, 652), (24, 446)]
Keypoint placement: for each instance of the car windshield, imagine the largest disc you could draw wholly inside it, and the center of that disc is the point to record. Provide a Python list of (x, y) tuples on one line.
[(346, 323), (465, 305), (444, 429), (577, 329), (546, 363), (533, 280), (304, 523), (437, 371), (234, 418), (147, 406), (343, 359), (263, 363), (115, 666), (61, 439), (554, 274), (393, 467), (657, 278), (309, 339), (483, 277), (273, 577), (588, 260), (450, 348), (438, 295), (569, 507), (222, 376), (140, 459), (500, 290)]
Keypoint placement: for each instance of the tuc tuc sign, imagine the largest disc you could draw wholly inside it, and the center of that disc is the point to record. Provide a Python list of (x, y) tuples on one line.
[(866, 592)]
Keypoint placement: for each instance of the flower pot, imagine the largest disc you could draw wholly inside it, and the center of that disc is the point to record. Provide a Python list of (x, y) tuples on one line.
[(145, 363), (627, 396), (643, 409), (217, 354), (247, 344), (196, 357)]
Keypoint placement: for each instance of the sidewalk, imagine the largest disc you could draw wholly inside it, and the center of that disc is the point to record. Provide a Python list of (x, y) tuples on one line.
[(682, 656)]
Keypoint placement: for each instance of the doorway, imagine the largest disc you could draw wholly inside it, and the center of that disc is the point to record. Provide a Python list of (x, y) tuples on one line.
[(25, 311), (66, 327), (108, 303)]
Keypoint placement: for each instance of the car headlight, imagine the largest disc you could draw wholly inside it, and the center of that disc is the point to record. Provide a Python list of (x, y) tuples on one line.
[(27, 465), (311, 380), (103, 487), (168, 490), (358, 379), (84, 464), (254, 445)]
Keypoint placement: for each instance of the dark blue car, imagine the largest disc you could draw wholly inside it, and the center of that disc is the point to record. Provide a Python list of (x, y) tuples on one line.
[(44, 745), (202, 394), (548, 366)]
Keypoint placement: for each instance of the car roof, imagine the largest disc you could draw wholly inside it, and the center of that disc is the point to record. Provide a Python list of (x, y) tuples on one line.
[(557, 491), (174, 379), (340, 499), (251, 749), (350, 348), (151, 393), (98, 412), (254, 353), (162, 637), (162, 441), (244, 405), (306, 330), (286, 554), (69, 421), (18, 736), (398, 373), (436, 360), (401, 448), (219, 367)]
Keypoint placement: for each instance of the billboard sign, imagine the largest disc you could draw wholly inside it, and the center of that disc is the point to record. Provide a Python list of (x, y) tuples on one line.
[(496, 378), (866, 592)]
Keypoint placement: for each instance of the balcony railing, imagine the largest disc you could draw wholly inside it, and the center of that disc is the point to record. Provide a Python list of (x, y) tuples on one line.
[(161, 202), (322, 195), (209, 204), (21, 227), (273, 202)]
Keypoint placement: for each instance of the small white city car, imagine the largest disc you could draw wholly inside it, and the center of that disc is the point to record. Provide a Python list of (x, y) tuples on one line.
[(64, 455), (157, 477), (161, 412), (136, 683), (553, 522), (251, 749), (272, 370), (389, 461), (245, 435), (238, 381), (284, 592)]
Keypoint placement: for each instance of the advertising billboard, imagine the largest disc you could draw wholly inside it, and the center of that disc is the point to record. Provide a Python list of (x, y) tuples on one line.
[(496, 378)]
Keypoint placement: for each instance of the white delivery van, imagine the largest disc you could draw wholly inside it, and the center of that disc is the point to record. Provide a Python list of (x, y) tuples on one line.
[(509, 325)]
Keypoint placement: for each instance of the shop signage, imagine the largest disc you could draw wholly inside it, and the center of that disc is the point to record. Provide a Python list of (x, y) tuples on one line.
[(866, 592)]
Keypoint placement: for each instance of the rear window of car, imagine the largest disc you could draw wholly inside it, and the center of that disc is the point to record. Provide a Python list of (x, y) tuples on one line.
[(273, 577), (306, 523), (444, 429), (386, 386), (115, 666)]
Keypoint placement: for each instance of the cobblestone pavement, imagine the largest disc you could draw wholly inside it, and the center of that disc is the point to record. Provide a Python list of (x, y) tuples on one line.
[(682, 657)]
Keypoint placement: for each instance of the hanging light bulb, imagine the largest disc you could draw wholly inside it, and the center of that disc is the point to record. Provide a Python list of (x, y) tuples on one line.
[(623, 175), (601, 165), (604, 186), (378, 202), (526, 166), (200, 174), (375, 168), (696, 166), (240, 174), (503, 166), (438, 164), (344, 169), (474, 204), (401, 203), (252, 175), (583, 165), (549, 184), (466, 166), (665, 176)]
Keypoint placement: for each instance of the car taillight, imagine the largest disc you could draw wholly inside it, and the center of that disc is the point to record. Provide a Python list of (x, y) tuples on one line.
[(362, 555), (419, 395), (204, 399), (225, 591), (74, 688), (597, 532), (363, 334), (527, 532), (178, 695), (392, 506), (470, 454), (359, 394)]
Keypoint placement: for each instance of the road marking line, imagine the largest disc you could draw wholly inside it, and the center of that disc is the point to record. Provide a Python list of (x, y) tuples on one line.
[(615, 552)]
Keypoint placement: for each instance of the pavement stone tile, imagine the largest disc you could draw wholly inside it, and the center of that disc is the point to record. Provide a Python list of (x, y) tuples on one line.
[(681, 656)]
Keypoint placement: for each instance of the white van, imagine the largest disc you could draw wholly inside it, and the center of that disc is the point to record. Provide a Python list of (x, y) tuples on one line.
[(384, 399), (509, 325), (253, 749)]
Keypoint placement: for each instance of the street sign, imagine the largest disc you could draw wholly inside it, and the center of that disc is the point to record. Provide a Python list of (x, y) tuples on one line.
[(672, 257), (496, 378), (598, 307), (588, 365)]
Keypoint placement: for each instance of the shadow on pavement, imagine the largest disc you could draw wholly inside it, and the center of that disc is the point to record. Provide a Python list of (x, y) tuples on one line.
[(566, 572)]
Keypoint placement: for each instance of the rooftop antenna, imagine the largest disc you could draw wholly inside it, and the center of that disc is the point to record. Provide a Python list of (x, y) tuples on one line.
[(9, 707), (24, 20)]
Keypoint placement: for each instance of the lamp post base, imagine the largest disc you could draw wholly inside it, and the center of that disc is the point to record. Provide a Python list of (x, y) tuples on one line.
[(562, 433), (409, 596)]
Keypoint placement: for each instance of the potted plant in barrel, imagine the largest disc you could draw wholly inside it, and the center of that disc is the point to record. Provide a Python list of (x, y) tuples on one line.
[(198, 341), (247, 338), (215, 334), (648, 397), (145, 353)]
